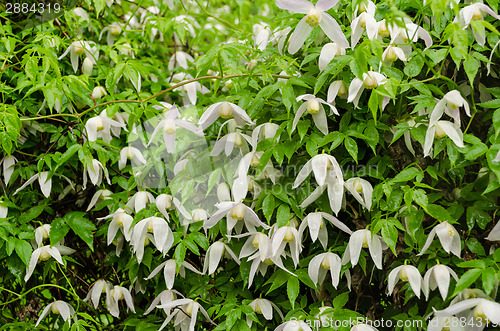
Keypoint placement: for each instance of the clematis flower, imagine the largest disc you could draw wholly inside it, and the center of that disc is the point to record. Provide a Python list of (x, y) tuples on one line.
[(165, 296), (8, 163), (319, 266), (189, 90), (96, 290), (228, 142), (483, 310), (102, 126), (314, 107), (41, 233), (113, 31), (169, 270), (317, 227), (4, 210), (99, 195), (495, 232), (328, 52), (450, 104), (116, 294), (438, 277), (214, 255), (371, 80), (474, 12), (287, 235), (44, 253), (261, 32), (363, 239), (57, 307), (80, 47), (392, 53), (315, 15), (224, 110), (279, 37), (121, 221), (186, 317), (365, 21), (43, 180), (336, 88), (95, 172), (257, 241), (234, 212), (162, 237), (130, 153), (442, 129), (448, 236), (139, 200), (179, 59), (320, 165), (264, 307), (406, 273), (164, 203), (402, 36), (358, 186)]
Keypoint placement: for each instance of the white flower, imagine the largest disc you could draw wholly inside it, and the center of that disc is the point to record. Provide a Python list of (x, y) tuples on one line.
[(169, 126), (99, 287), (317, 227), (8, 163), (401, 36), (365, 21), (139, 200), (280, 38), (314, 107), (438, 276), (189, 90), (43, 180), (392, 53), (471, 13), (448, 236), (406, 273), (169, 271), (450, 104), (4, 210), (320, 165), (186, 317), (228, 142), (116, 294), (95, 171), (44, 253), (224, 110), (121, 221), (42, 233), (257, 241), (79, 47), (358, 186), (87, 67), (482, 310), (315, 15), (98, 92), (336, 88), (319, 266), (328, 52), (99, 195), (286, 235), (214, 255), (163, 237), (371, 80), (293, 325), (179, 59), (164, 297), (264, 307), (102, 126), (130, 153), (363, 239), (114, 30), (57, 307), (164, 203), (363, 327), (234, 212), (441, 129), (261, 32), (495, 232)]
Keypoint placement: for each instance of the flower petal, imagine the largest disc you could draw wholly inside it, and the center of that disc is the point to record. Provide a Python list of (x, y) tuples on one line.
[(299, 35), (332, 29)]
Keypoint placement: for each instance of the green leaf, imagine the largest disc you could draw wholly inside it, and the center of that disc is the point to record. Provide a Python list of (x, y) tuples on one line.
[(471, 65), (292, 289), (489, 276), (58, 229), (180, 254), (414, 67), (352, 148), (340, 300), (495, 103), (23, 250), (287, 95), (283, 215), (475, 246), (268, 206), (232, 317), (99, 6), (466, 280), (406, 175), (373, 104), (474, 215), (200, 239), (438, 212), (81, 226), (31, 214), (277, 279), (420, 197)]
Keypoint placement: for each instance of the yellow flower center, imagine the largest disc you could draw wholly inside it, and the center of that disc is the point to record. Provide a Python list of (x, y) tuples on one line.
[(78, 49), (117, 293), (250, 184), (402, 274), (313, 17), (119, 219), (197, 215), (439, 132), (357, 185), (362, 21), (452, 105), (479, 313), (370, 81), (451, 231), (257, 308), (289, 236), (256, 241), (54, 309), (150, 225), (130, 153), (390, 55), (382, 30), (225, 110), (477, 15), (255, 160), (44, 255), (268, 261), (342, 90), (312, 106), (365, 241), (325, 263), (115, 30), (146, 241), (100, 124), (45, 233), (169, 126), (238, 212), (189, 308)]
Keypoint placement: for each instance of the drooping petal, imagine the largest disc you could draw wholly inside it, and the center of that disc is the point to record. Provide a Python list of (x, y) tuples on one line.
[(414, 279), (452, 132), (392, 279), (314, 266), (428, 242), (320, 120), (332, 29), (296, 6), (300, 34)]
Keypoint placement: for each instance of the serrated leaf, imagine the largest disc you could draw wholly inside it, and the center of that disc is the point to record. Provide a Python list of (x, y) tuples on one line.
[(81, 226)]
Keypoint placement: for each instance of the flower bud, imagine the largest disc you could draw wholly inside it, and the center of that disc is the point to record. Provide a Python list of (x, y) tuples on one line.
[(390, 55), (44, 255), (251, 64), (370, 81), (98, 92), (115, 29), (87, 66), (382, 29)]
